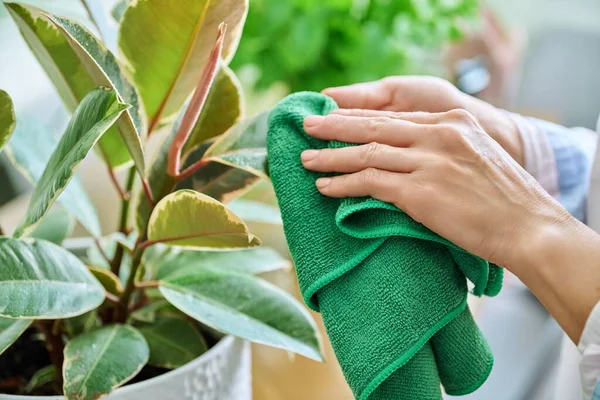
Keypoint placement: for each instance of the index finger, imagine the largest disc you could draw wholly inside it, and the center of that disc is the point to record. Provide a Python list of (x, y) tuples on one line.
[(350, 129)]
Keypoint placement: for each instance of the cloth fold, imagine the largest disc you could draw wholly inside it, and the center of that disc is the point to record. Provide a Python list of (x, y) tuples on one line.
[(392, 293)]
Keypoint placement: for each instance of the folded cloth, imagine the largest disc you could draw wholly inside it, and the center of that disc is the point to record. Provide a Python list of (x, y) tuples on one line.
[(392, 293)]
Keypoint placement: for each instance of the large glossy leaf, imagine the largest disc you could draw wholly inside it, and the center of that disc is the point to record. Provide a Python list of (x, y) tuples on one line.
[(69, 73), (168, 63), (168, 262), (243, 146), (173, 341), (222, 182), (105, 71), (96, 113), (55, 226), (29, 150), (10, 330), (100, 361), (7, 118), (41, 280), (190, 219), (248, 137), (247, 307)]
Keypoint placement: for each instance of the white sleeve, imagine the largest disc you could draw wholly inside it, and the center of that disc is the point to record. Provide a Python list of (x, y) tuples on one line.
[(589, 346)]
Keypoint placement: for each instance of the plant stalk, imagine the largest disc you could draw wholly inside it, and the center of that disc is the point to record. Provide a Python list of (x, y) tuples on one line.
[(122, 309), (115, 265), (54, 345)]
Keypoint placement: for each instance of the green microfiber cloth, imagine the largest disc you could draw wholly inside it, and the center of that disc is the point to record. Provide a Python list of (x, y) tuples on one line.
[(391, 292)]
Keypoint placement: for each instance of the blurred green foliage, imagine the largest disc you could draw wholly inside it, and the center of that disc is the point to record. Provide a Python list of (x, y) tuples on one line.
[(313, 44)]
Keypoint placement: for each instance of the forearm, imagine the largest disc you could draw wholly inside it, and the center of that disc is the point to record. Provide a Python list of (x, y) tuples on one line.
[(560, 263)]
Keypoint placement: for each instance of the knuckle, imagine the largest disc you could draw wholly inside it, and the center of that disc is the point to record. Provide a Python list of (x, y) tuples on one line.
[(390, 81), (370, 176), (461, 115), (375, 126), (368, 152)]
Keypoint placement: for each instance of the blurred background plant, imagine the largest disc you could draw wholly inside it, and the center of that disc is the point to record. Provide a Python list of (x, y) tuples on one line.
[(312, 44)]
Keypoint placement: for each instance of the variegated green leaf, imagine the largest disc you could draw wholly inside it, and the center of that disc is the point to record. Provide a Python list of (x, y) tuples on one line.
[(7, 118), (10, 330), (43, 281), (247, 307), (55, 226), (173, 341), (190, 219), (96, 113), (243, 146), (168, 63), (105, 71), (29, 150), (41, 378), (102, 360), (70, 75), (222, 182), (169, 262)]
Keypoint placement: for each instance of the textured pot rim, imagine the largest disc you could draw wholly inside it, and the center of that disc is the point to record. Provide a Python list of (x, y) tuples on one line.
[(213, 352)]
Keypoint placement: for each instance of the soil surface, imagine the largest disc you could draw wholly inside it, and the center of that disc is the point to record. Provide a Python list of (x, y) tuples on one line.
[(28, 355)]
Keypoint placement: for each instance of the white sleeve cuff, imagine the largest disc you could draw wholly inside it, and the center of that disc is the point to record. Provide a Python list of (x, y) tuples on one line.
[(589, 346)]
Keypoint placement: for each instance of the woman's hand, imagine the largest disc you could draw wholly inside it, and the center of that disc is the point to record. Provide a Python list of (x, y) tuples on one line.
[(442, 169), (445, 171), (429, 94)]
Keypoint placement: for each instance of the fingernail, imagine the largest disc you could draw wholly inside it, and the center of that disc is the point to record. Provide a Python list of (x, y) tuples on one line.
[(313, 120), (309, 155), (323, 182)]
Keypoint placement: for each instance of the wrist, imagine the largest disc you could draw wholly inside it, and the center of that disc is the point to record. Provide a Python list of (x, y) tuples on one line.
[(559, 261)]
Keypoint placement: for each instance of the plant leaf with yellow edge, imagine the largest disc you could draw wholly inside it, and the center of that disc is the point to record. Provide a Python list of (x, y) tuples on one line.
[(190, 219), (109, 281)]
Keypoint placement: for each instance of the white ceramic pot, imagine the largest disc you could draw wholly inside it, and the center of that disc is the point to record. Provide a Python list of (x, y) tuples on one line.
[(222, 373)]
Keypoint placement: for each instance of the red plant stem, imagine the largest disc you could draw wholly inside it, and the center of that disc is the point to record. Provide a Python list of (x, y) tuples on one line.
[(113, 177), (196, 104), (115, 181), (148, 192), (191, 170), (111, 297)]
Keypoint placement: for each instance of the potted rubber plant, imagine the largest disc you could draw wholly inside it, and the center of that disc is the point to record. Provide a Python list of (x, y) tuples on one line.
[(166, 302)]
